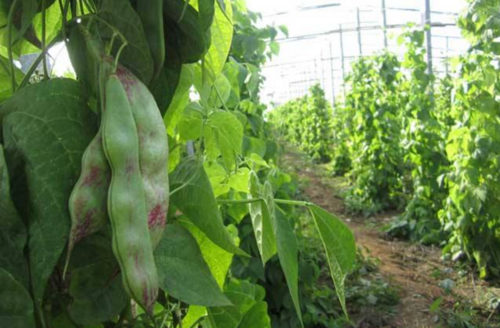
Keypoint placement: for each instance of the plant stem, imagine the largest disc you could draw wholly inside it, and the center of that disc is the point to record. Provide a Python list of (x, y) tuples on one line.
[(239, 201), (292, 202), (36, 62), (9, 41), (220, 97), (44, 36)]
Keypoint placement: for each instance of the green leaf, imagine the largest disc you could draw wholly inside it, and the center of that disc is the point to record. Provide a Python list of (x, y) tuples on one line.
[(239, 181), (220, 93), (196, 200), (223, 135), (16, 306), (288, 252), (53, 23), (218, 178), (12, 231), (191, 122), (165, 85), (5, 80), (245, 296), (183, 272), (275, 48), (262, 221), (46, 130), (217, 259), (179, 100), (254, 146), (339, 245), (97, 292), (85, 66), (95, 282), (136, 55), (193, 315), (206, 8), (232, 73), (256, 317), (222, 35), (189, 32)]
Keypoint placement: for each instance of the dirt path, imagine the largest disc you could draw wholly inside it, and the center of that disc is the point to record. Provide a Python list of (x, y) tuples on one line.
[(410, 267)]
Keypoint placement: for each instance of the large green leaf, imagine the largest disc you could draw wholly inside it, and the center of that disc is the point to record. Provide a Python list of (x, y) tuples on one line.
[(222, 35), (97, 292), (288, 252), (218, 261), (232, 73), (256, 317), (95, 283), (189, 30), (136, 55), (223, 136), (183, 272), (245, 296), (219, 94), (194, 197), (12, 231), (16, 306), (46, 130), (339, 245), (191, 123), (262, 221)]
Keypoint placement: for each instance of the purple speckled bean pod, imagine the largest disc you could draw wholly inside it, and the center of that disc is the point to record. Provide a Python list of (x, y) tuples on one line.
[(88, 200), (153, 151), (126, 198)]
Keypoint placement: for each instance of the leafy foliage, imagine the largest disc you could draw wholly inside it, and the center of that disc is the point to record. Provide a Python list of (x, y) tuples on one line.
[(372, 111), (306, 122)]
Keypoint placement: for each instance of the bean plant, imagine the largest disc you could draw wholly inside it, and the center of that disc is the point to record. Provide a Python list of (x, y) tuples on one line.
[(425, 146), (306, 122), (121, 193)]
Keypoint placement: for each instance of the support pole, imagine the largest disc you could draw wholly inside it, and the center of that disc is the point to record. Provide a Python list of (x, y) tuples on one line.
[(426, 20), (446, 63), (384, 24), (342, 57), (358, 25), (332, 76)]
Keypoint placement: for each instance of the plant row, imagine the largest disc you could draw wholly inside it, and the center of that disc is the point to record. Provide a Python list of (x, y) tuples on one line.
[(427, 147)]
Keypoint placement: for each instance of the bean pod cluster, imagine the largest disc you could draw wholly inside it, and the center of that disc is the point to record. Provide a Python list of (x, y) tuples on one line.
[(124, 178)]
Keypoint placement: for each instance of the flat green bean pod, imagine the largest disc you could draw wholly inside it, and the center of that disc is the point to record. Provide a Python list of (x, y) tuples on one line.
[(126, 199), (153, 151)]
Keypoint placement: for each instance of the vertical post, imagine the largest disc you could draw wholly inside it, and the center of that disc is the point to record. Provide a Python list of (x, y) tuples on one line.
[(323, 83), (447, 55), (426, 20), (331, 73), (342, 59), (384, 24), (358, 27), (315, 76)]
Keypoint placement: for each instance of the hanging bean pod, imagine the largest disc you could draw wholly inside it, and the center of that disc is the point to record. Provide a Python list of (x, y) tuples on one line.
[(153, 151), (126, 198)]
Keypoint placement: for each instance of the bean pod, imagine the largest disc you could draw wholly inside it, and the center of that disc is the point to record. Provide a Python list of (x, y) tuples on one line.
[(87, 203), (126, 198), (153, 151)]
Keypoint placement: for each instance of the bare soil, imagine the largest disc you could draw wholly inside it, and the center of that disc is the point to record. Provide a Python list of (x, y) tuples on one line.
[(414, 269)]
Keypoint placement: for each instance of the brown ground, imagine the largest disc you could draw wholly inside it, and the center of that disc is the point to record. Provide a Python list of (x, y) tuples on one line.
[(409, 267)]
